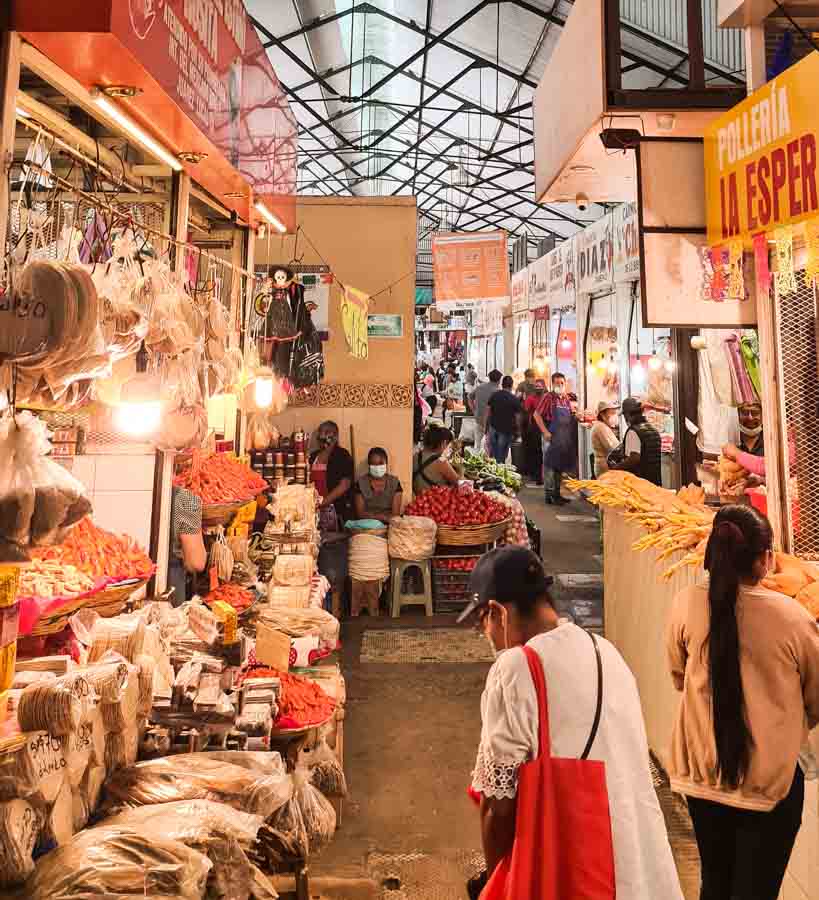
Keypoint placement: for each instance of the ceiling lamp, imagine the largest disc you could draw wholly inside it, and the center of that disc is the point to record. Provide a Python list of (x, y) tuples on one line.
[(265, 213), (638, 371), (21, 113), (669, 365), (139, 412), (128, 125), (264, 388), (655, 362), (565, 343)]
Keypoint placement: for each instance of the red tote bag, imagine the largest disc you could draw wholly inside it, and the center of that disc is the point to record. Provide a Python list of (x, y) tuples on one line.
[(563, 846)]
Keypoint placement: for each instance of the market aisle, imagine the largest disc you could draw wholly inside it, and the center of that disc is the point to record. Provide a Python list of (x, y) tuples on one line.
[(412, 730)]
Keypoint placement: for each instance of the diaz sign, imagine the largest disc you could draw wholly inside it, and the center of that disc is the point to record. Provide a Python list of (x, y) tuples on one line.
[(761, 157)]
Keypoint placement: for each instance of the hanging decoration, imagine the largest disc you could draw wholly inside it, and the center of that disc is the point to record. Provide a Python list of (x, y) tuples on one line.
[(714, 282), (354, 306), (763, 272), (812, 246), (736, 275), (785, 275)]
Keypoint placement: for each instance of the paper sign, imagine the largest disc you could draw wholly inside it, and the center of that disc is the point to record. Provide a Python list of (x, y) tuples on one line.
[(354, 305), (691, 426), (272, 648)]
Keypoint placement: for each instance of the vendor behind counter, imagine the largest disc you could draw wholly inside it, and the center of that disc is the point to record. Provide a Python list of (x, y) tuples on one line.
[(378, 494)]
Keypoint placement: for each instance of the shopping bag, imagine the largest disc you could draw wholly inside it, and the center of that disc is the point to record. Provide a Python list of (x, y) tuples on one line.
[(563, 845)]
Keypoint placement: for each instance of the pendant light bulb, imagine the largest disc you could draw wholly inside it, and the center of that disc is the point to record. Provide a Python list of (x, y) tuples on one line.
[(655, 362), (669, 365), (565, 343), (263, 390), (591, 369)]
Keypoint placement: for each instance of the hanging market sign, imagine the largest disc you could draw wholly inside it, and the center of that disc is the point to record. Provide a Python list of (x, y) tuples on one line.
[(626, 243), (520, 291), (469, 269), (562, 278), (538, 292), (385, 325), (595, 257), (761, 157)]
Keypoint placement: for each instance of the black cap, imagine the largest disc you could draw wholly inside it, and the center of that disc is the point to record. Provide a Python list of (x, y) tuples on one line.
[(506, 575), (631, 406)]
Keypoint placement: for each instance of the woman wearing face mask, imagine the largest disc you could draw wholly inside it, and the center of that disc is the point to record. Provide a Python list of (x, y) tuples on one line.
[(332, 473), (746, 660), (378, 495), (603, 436), (431, 466), (515, 610)]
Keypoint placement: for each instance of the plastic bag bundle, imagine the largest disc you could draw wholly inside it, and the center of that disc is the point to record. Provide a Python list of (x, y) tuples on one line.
[(20, 826), (35, 770), (59, 823), (298, 623), (122, 714), (220, 832), (286, 836), (318, 815), (145, 665), (57, 707), (108, 678), (121, 748), (260, 762), (122, 634), (412, 537), (326, 772), (195, 776), (78, 750), (117, 862)]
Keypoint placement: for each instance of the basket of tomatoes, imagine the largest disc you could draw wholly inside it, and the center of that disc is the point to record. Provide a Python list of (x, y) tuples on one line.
[(465, 518)]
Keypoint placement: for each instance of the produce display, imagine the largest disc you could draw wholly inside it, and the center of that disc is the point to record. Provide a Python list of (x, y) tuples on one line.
[(302, 702), (237, 597), (673, 523), (98, 553), (455, 563), (516, 532), (220, 478), (43, 578), (451, 506), (483, 469)]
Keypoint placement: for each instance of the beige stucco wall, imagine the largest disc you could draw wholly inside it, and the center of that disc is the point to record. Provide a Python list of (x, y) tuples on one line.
[(369, 243)]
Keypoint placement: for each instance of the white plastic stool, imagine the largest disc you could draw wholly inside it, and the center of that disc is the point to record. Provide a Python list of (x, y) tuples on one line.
[(398, 569)]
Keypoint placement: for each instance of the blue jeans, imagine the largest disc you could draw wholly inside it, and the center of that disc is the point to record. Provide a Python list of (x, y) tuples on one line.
[(500, 443)]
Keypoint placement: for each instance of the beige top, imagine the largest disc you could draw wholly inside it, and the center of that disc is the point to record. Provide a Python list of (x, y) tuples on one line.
[(779, 663), (603, 441)]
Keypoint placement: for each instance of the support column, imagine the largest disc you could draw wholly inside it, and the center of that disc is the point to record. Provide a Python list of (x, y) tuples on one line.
[(9, 85), (756, 73)]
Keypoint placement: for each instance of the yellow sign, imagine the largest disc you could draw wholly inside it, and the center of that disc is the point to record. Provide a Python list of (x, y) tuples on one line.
[(354, 306), (761, 157)]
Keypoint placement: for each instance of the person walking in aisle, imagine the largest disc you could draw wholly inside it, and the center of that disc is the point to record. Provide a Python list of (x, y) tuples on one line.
[(532, 442), (503, 415), (642, 445), (528, 386), (555, 419), (480, 399), (592, 700), (746, 660)]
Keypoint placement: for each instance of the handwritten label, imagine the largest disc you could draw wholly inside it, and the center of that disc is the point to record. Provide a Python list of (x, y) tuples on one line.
[(203, 623), (272, 648), (47, 756), (24, 324)]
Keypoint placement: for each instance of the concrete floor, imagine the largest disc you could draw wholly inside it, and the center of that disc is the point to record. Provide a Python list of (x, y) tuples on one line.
[(409, 831)]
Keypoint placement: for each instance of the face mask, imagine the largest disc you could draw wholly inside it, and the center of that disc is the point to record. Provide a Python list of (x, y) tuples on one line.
[(612, 421), (750, 432), (378, 471), (560, 389), (327, 440)]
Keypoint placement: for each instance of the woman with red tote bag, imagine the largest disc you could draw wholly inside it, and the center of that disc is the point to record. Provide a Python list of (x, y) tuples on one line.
[(568, 807)]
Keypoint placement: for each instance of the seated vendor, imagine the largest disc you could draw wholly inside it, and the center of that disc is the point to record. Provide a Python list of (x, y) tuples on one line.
[(750, 453), (430, 466), (332, 472), (378, 494), (188, 555)]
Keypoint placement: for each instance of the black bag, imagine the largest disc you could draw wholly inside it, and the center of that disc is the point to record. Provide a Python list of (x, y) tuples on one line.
[(616, 456)]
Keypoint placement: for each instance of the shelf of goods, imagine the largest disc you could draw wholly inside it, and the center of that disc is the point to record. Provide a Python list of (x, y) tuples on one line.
[(669, 532), (450, 579), (205, 742)]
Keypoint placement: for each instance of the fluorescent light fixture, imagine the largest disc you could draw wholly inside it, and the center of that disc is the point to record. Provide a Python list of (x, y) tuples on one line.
[(21, 113), (148, 143), (265, 213)]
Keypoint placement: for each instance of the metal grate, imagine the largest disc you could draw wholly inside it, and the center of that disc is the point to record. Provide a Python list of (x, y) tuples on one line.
[(800, 387)]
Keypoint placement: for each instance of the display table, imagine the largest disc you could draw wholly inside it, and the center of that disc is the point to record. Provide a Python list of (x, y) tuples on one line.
[(636, 605)]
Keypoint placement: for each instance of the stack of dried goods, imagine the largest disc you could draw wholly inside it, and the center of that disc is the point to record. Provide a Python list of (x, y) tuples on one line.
[(302, 702), (220, 478)]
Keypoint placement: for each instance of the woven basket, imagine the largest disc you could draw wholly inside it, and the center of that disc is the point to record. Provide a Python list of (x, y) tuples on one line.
[(214, 514), (114, 594), (471, 535)]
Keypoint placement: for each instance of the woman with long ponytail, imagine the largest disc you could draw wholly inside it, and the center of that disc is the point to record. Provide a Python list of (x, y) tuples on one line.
[(746, 660)]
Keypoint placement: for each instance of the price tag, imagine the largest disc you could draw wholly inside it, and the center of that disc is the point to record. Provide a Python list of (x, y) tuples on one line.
[(25, 324), (214, 578)]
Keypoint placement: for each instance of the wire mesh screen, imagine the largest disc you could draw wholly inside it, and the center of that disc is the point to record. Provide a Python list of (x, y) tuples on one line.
[(800, 386)]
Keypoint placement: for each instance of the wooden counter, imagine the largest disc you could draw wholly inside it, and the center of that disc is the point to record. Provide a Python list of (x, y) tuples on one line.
[(636, 606)]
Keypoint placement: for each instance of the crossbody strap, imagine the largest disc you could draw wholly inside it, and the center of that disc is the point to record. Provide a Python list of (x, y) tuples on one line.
[(599, 710)]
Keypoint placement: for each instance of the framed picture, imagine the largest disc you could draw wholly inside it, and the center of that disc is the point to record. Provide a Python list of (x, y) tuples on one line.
[(385, 326)]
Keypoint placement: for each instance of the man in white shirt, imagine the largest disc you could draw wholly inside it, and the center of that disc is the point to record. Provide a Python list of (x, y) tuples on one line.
[(480, 402)]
